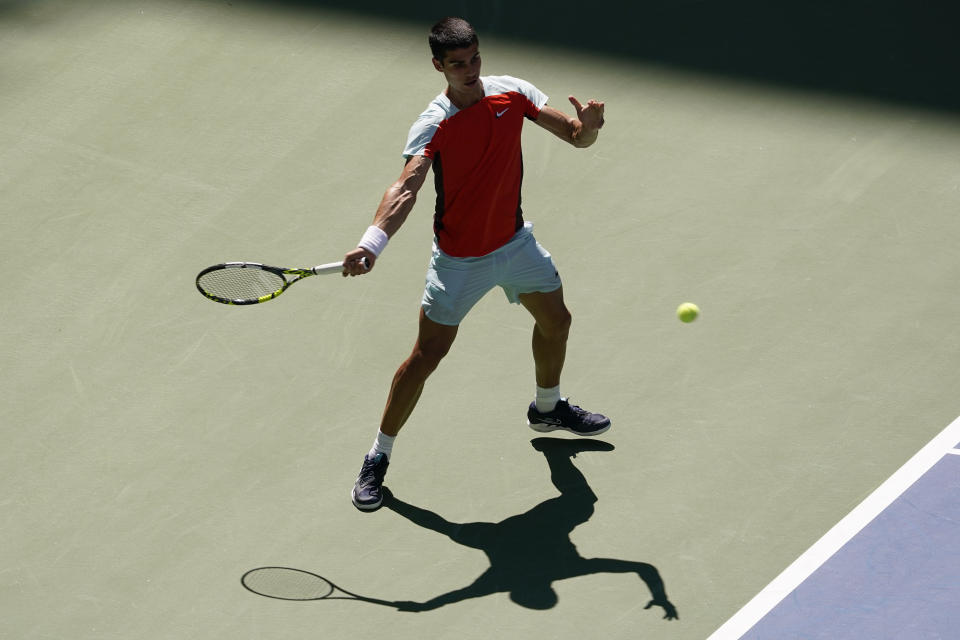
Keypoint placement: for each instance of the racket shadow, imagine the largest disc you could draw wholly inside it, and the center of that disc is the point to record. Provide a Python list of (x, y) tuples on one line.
[(530, 551), (287, 583)]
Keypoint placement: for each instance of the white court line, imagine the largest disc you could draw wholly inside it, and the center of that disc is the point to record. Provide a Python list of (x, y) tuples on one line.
[(840, 534)]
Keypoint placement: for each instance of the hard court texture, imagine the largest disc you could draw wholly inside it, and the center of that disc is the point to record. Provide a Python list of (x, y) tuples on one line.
[(158, 446)]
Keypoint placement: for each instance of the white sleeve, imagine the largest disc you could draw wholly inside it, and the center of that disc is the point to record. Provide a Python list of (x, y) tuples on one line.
[(509, 83), (421, 133), (425, 127)]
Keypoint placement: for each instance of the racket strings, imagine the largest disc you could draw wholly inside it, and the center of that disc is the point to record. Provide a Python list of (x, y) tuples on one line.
[(287, 584), (241, 283)]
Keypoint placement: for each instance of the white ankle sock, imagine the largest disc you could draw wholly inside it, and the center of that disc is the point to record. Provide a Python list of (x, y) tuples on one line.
[(383, 444), (547, 399)]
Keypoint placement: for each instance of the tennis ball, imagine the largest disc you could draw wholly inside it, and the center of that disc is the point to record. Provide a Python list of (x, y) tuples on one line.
[(688, 312)]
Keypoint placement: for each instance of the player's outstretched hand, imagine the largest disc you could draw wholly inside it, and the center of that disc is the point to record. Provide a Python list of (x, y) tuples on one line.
[(353, 262), (590, 115)]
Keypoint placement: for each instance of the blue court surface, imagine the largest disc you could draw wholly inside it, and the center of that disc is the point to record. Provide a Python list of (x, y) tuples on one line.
[(890, 569)]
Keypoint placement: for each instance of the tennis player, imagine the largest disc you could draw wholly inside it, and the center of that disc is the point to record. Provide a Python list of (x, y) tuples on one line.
[(470, 136)]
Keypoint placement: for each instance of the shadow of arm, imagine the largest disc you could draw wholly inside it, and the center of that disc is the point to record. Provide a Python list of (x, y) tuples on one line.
[(646, 572), (649, 574)]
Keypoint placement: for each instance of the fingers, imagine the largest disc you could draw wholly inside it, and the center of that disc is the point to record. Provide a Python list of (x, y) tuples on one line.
[(599, 106), (591, 113), (358, 262), (590, 103)]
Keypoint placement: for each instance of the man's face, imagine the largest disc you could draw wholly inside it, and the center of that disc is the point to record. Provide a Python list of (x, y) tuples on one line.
[(461, 68)]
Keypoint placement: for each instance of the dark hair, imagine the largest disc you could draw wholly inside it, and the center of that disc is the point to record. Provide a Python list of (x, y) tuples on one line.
[(451, 33)]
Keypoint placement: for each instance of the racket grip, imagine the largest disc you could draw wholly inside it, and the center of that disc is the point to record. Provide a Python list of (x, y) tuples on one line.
[(336, 267)]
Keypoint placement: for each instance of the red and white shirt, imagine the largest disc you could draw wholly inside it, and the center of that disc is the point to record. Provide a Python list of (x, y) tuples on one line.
[(477, 164)]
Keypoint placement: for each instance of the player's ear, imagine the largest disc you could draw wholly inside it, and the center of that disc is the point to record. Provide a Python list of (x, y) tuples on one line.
[(437, 65)]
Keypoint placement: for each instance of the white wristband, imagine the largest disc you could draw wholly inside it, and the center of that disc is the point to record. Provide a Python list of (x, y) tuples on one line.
[(374, 240)]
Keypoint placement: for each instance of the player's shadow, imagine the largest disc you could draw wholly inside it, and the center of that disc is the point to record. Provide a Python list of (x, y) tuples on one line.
[(530, 551)]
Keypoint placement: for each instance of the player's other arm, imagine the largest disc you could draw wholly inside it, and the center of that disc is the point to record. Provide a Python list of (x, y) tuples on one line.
[(395, 206), (581, 131)]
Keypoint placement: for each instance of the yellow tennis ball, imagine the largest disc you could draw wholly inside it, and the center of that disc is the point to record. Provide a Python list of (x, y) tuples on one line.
[(688, 312)]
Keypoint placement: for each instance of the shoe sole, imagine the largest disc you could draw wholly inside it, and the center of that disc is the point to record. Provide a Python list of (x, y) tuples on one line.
[(543, 427), (372, 506)]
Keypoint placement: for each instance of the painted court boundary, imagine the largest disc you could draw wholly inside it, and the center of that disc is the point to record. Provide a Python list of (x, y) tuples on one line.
[(943, 444)]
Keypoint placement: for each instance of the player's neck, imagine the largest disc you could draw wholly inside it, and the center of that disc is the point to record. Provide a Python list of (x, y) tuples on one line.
[(466, 98)]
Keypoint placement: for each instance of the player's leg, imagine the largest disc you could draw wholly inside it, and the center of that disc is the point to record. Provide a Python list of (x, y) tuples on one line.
[(433, 343), (550, 332), (531, 279), (452, 288)]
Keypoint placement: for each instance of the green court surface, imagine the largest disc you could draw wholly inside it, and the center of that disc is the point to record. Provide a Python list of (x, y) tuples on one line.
[(158, 446)]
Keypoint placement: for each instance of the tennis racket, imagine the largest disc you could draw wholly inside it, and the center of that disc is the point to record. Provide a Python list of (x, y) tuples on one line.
[(253, 283), (284, 583)]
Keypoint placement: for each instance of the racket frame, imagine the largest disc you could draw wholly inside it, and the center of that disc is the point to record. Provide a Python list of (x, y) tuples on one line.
[(299, 274)]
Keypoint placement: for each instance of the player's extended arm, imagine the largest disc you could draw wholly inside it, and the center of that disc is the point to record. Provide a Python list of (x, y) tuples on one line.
[(395, 206), (581, 131)]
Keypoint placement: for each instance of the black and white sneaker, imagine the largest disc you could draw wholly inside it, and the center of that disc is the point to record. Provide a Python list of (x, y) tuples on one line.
[(567, 417), (367, 493)]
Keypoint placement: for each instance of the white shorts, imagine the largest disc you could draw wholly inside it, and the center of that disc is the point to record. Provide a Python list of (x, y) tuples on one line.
[(455, 285)]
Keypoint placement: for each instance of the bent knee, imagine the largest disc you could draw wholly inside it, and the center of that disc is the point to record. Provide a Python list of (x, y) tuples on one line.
[(556, 325), (428, 355)]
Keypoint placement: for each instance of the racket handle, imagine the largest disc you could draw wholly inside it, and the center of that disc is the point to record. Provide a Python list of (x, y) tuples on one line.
[(336, 267)]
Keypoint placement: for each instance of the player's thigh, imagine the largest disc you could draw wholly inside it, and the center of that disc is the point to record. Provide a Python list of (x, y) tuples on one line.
[(548, 309), (434, 339)]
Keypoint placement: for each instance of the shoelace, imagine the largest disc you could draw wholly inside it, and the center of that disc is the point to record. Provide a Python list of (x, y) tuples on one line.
[(583, 415), (577, 410), (368, 471)]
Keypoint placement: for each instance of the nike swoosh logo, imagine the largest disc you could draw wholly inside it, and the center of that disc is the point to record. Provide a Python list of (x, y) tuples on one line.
[(500, 113)]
